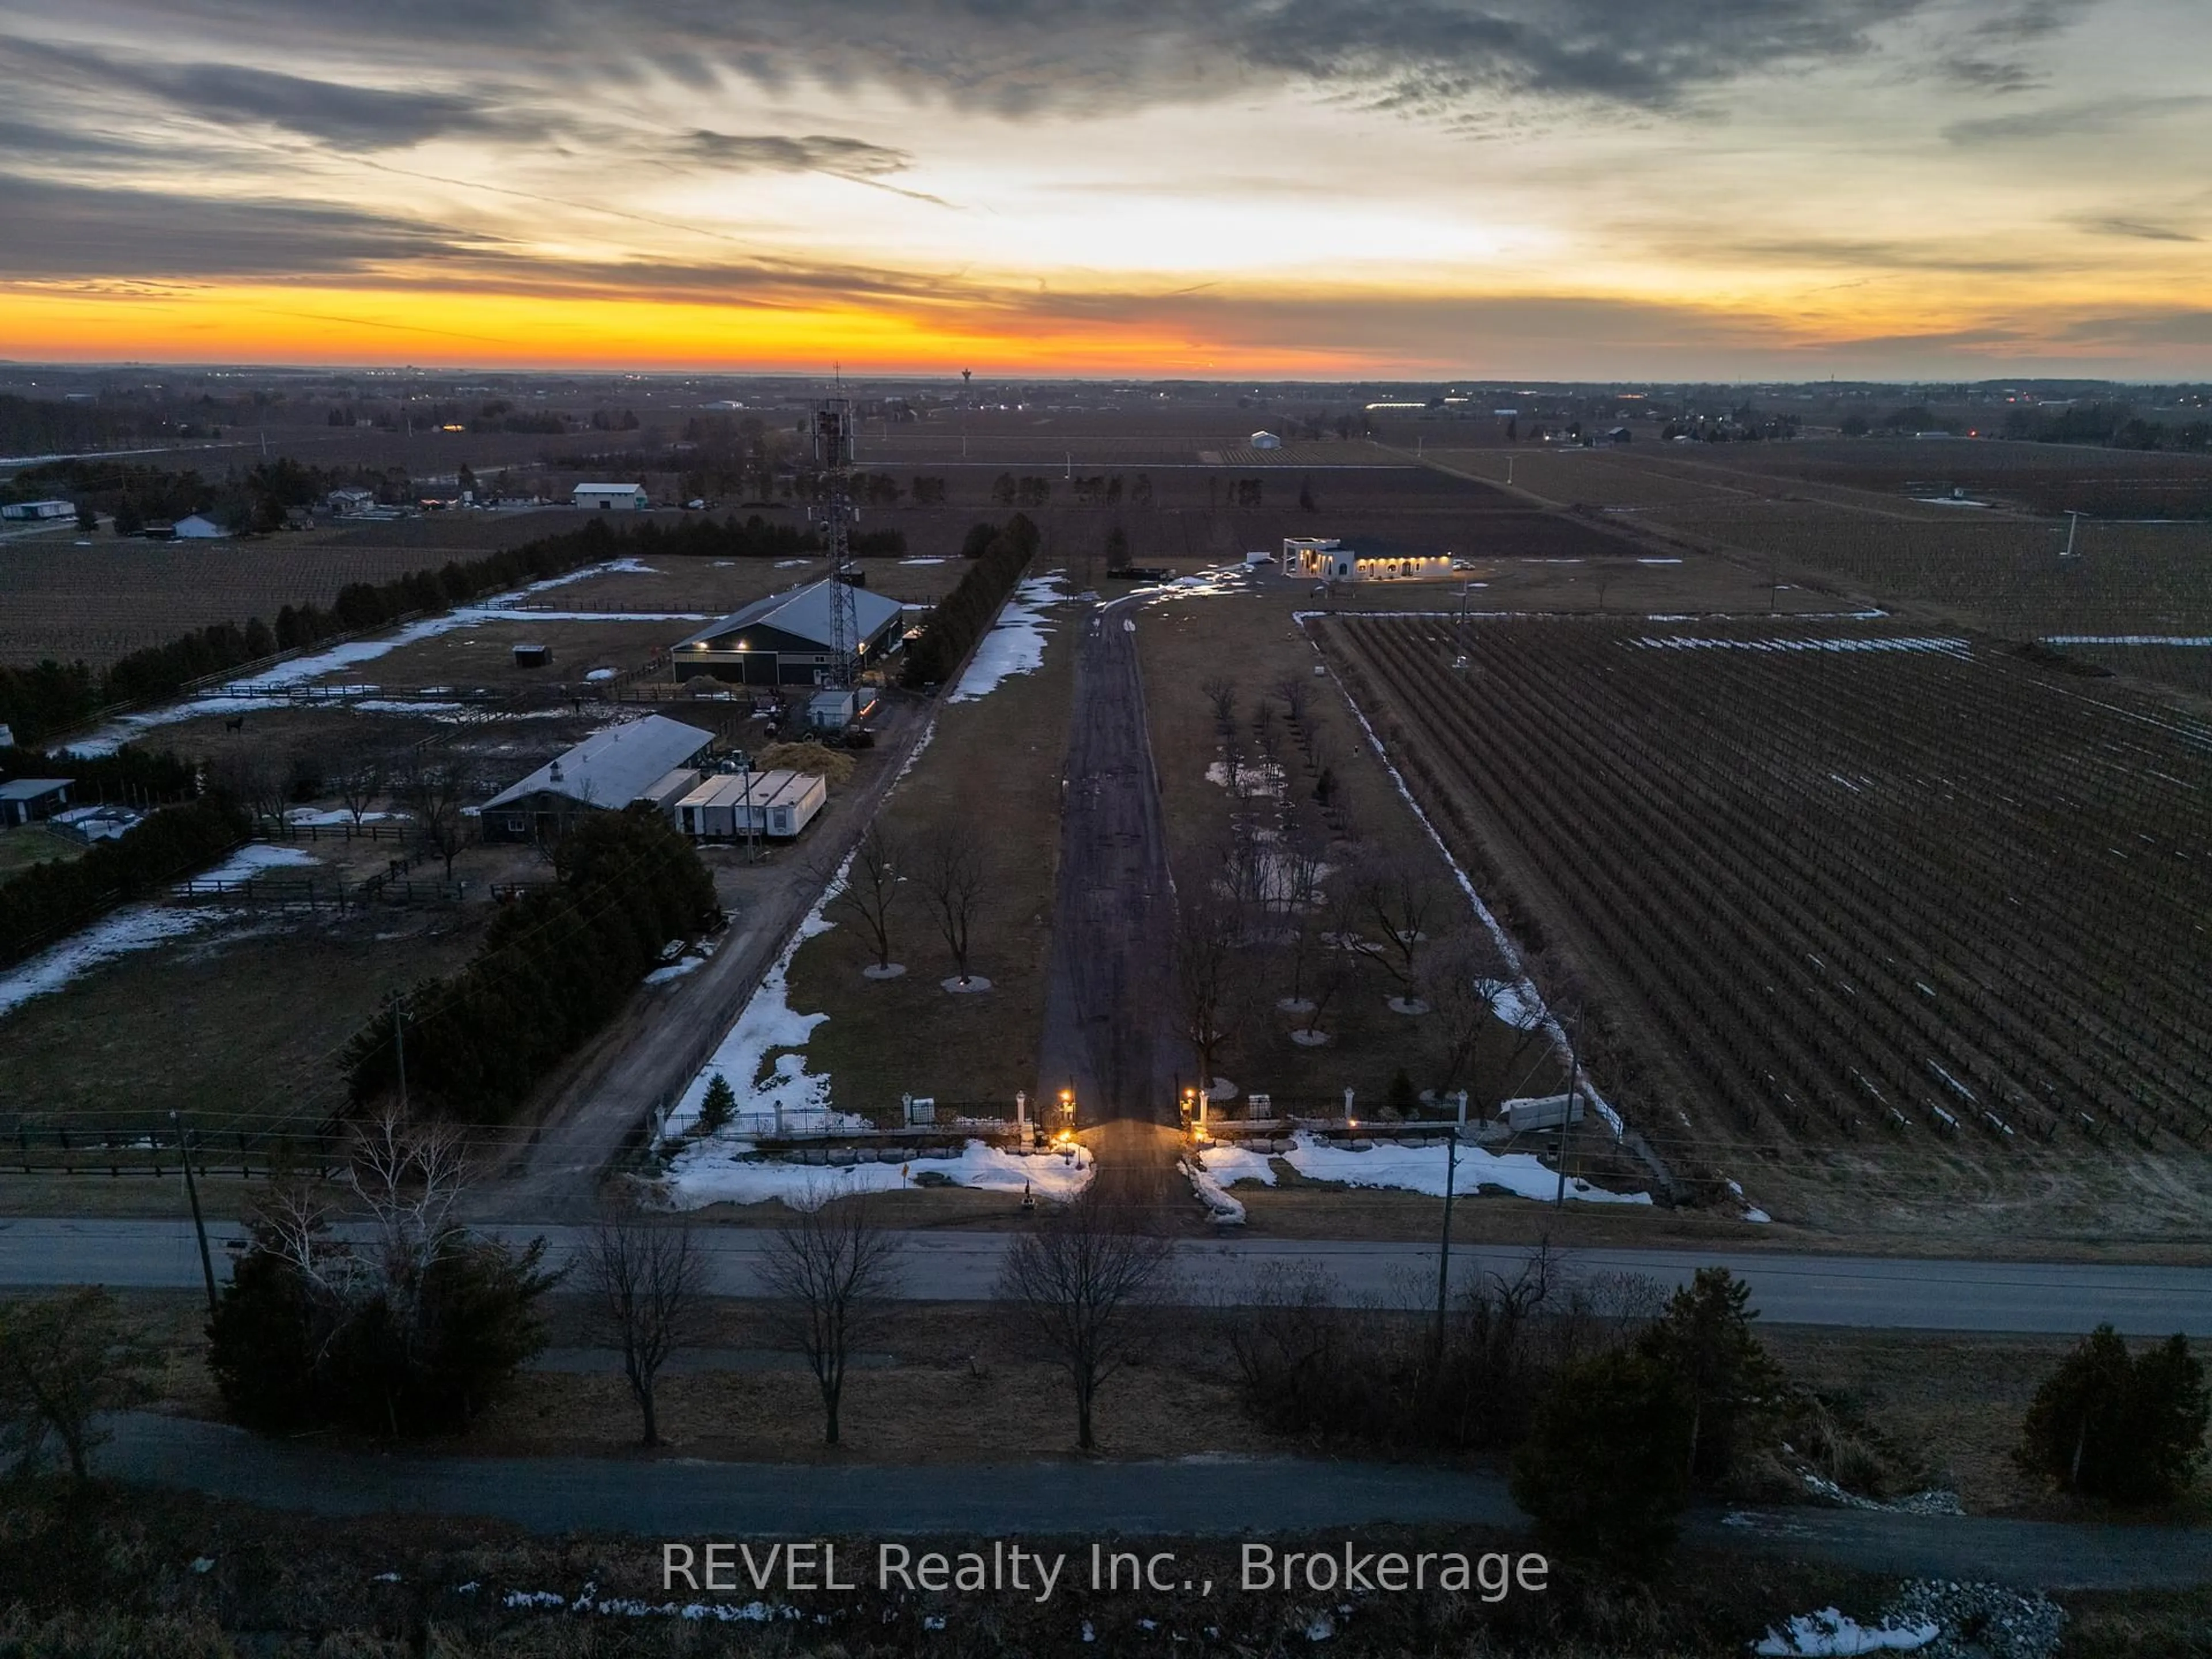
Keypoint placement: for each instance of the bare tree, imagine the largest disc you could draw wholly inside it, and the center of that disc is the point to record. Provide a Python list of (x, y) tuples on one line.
[(830, 1268), (361, 784), (1333, 966), (1296, 691), (64, 1362), (1401, 899), (436, 792), (1206, 931), (646, 1277), (1086, 1279), (953, 871), (1472, 990), (252, 778), (871, 888), (1221, 692)]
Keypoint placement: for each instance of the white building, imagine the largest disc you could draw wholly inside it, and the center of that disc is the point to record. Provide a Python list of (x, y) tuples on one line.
[(776, 803), (349, 503), (1266, 440), (1328, 559), (192, 528), (36, 510), (606, 772), (612, 497)]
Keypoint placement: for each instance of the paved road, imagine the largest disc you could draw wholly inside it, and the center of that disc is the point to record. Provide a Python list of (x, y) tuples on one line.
[(1868, 1293), (1107, 1032), (660, 1042), (1206, 1496)]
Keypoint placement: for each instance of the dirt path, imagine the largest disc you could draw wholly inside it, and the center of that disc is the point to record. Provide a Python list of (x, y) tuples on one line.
[(1108, 1033), (658, 1043)]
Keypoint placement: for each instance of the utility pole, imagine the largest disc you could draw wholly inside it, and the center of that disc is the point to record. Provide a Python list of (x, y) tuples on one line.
[(1443, 1248), (398, 1006), (1567, 1119), (192, 1191)]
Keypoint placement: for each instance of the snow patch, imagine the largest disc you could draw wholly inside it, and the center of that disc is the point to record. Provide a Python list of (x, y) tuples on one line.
[(1016, 644), (729, 1172), (1412, 1169), (1830, 1632)]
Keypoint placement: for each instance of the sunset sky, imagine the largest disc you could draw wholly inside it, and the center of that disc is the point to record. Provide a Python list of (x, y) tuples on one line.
[(1561, 188)]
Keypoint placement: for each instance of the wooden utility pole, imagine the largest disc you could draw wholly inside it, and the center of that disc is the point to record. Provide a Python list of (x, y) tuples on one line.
[(192, 1191)]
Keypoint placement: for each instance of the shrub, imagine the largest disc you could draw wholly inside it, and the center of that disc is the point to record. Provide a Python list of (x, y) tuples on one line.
[(64, 1360), (2108, 1425), (1704, 1338), (1605, 1470), (966, 614)]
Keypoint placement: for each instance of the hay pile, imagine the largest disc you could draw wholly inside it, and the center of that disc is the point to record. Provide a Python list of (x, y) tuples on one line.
[(831, 764)]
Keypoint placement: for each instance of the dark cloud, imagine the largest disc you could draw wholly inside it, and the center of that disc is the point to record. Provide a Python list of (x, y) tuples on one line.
[(1859, 253), (58, 231), (1015, 56), (2144, 328), (347, 116), (849, 158)]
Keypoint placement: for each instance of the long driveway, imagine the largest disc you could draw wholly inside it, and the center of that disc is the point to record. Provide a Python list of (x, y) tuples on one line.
[(1869, 1292), (1207, 1497), (1108, 1030)]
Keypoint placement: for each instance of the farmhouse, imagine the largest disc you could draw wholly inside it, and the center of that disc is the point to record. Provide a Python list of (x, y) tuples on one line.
[(36, 510), (351, 503), (612, 497), (784, 639), (193, 527), (604, 773), (1327, 557), (24, 800)]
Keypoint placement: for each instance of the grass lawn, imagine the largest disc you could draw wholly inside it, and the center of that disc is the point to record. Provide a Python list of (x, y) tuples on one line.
[(990, 774)]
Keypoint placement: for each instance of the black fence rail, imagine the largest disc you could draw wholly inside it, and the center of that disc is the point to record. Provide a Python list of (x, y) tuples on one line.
[(281, 830), (115, 1151), (315, 892)]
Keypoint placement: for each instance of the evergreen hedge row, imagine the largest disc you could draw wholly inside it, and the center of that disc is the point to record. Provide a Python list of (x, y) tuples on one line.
[(963, 616), (48, 900), (556, 966)]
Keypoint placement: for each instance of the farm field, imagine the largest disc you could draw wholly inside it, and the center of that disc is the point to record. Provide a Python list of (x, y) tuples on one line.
[(1878, 963)]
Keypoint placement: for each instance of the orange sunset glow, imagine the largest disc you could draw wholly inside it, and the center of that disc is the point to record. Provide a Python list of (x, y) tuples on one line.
[(1853, 188)]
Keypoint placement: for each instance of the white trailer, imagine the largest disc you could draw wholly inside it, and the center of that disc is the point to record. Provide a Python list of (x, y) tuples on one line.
[(667, 793), (731, 805)]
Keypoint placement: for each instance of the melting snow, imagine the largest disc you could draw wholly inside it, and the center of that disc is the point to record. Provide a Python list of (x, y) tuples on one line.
[(719, 1172), (1829, 1632), (1016, 644), (1410, 1168)]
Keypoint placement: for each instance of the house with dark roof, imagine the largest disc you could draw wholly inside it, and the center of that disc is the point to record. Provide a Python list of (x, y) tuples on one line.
[(784, 639)]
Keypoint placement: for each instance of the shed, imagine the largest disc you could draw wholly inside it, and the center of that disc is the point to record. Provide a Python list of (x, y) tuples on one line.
[(1541, 1112), (24, 800), (1266, 440), (197, 527), (611, 497), (38, 510), (530, 654)]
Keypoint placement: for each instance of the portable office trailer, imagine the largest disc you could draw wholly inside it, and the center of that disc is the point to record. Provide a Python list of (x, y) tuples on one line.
[(778, 805), (797, 797), (708, 810)]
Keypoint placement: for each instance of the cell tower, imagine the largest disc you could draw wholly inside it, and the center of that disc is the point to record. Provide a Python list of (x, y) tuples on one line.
[(833, 456)]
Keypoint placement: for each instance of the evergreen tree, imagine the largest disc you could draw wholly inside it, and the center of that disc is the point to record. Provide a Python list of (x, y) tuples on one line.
[(719, 1107), (1704, 1337), (1604, 1471), (2107, 1424)]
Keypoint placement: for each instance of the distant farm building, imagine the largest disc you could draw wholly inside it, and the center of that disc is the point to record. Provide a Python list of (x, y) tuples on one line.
[(1266, 440), (729, 806), (196, 528), (612, 497), (530, 654), (1329, 559), (38, 510), (351, 503), (606, 772), (784, 639), (26, 800)]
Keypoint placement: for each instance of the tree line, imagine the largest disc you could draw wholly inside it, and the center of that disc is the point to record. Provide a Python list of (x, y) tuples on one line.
[(49, 900), (555, 965), (963, 616)]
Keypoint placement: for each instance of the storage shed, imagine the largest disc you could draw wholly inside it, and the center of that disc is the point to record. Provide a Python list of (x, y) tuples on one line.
[(26, 800), (530, 654)]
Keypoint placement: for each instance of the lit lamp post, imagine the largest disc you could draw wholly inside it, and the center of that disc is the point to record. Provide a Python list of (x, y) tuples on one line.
[(1190, 1123)]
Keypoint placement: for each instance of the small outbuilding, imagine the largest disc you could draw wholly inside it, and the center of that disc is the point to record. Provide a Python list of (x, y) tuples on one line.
[(528, 653), (604, 773), (38, 511), (26, 800), (1266, 440), (612, 497), (197, 527)]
